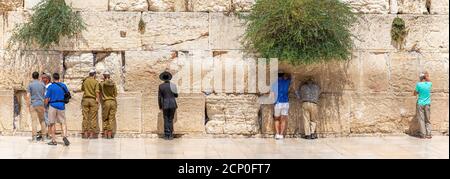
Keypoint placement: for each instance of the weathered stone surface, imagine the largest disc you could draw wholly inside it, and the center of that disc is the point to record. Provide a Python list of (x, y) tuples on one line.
[(151, 115), (439, 7), (238, 113), (143, 68), (402, 80), (128, 5), (439, 116), (427, 33), (381, 113), (10, 5), (226, 32), (436, 64), (77, 67), (211, 6), (74, 115), (129, 110), (243, 5), (17, 67), (84, 5), (175, 31), (1, 31), (108, 31), (412, 6), (169, 5), (369, 6), (7, 108), (375, 72)]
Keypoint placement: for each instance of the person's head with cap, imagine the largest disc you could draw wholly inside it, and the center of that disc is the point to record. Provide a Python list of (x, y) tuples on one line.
[(92, 72), (106, 74), (46, 78), (165, 76)]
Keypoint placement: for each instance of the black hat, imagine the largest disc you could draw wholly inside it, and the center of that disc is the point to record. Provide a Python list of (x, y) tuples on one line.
[(165, 76)]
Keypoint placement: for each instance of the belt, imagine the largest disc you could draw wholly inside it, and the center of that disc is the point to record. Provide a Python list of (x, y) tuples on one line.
[(309, 102)]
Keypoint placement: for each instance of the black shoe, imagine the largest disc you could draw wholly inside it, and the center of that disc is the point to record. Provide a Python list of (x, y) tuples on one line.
[(307, 137), (52, 143), (66, 141), (39, 138), (314, 136), (171, 138)]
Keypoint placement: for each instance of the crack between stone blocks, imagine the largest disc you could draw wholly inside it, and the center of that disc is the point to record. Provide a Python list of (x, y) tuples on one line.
[(206, 34)]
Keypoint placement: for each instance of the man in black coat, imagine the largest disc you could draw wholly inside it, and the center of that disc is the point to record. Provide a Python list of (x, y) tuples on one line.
[(167, 95)]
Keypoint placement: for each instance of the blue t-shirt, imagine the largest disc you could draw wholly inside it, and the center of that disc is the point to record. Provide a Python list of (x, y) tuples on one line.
[(55, 93), (36, 90), (424, 90), (281, 90)]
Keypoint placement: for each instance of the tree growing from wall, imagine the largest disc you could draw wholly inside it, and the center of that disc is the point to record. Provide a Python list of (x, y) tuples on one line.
[(300, 31), (51, 21)]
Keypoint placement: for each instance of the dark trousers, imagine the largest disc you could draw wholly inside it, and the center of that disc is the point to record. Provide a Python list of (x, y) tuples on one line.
[(169, 114)]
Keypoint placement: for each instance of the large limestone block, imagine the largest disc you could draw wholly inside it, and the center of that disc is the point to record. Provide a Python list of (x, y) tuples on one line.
[(439, 113), (334, 113), (439, 7), (411, 6), (77, 67), (7, 108), (129, 113), (190, 115), (232, 114), (404, 72), (375, 76), (382, 113), (243, 5), (17, 66), (151, 115), (373, 32), (436, 64), (109, 31), (175, 31), (128, 5), (211, 6), (369, 6), (10, 5), (169, 5), (226, 32), (143, 68), (78, 5), (427, 33), (1, 31)]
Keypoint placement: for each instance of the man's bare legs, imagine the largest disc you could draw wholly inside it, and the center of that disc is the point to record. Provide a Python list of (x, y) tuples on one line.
[(283, 123), (277, 125)]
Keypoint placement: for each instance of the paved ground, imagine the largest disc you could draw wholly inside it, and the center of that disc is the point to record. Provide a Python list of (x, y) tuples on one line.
[(333, 148)]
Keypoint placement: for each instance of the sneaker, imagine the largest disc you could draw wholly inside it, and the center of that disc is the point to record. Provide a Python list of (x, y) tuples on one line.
[(429, 137), (39, 138), (308, 137), (66, 141), (314, 136), (277, 137), (34, 139), (281, 137)]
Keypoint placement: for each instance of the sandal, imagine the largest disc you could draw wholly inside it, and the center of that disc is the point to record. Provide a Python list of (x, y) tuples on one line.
[(53, 143)]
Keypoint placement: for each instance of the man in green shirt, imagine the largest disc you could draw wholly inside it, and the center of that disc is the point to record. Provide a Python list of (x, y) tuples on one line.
[(89, 103), (423, 91), (108, 91)]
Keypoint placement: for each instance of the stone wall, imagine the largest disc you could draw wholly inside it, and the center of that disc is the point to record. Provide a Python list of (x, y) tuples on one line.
[(370, 94)]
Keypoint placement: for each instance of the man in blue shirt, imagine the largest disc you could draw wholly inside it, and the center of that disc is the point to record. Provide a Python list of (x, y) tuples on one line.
[(423, 91), (56, 112), (35, 101), (280, 90)]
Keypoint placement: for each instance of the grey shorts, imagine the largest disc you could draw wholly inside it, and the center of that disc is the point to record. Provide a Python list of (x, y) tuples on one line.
[(56, 116)]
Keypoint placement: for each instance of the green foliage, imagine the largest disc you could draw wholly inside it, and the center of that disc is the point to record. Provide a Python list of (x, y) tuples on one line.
[(51, 21), (398, 31), (300, 31), (141, 26)]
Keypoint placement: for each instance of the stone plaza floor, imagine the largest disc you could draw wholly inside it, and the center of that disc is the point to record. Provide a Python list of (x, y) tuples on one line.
[(242, 148)]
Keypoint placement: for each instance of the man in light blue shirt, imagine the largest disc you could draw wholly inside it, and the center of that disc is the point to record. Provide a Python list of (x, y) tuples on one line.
[(35, 99), (423, 91)]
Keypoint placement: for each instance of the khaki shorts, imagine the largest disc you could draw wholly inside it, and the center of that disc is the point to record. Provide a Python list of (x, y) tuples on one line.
[(56, 116), (281, 109)]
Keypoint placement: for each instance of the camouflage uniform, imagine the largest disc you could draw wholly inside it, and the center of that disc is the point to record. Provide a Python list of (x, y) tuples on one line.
[(89, 104), (108, 92)]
